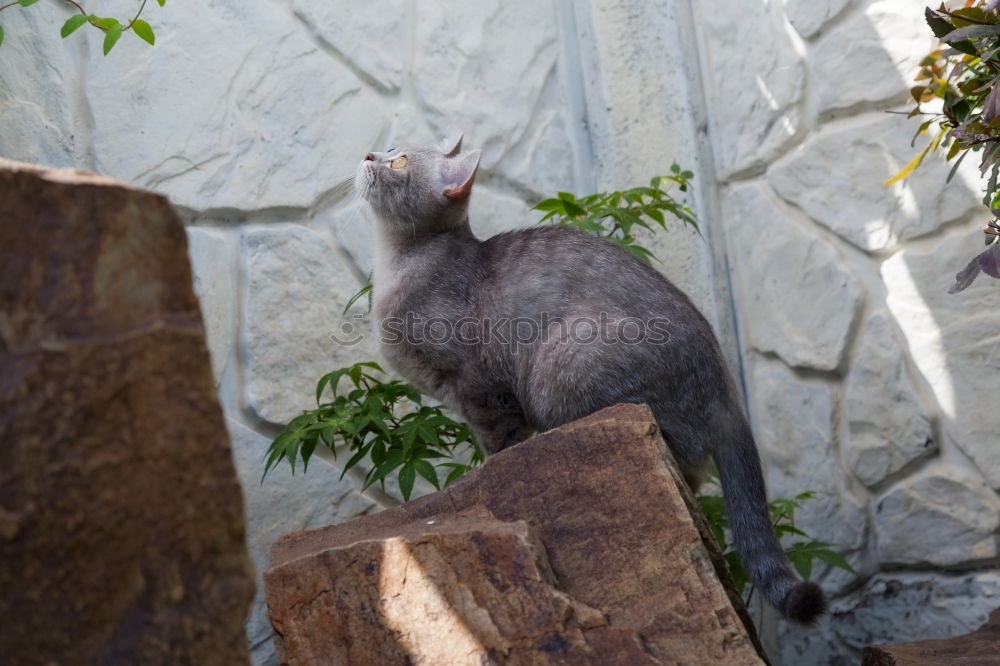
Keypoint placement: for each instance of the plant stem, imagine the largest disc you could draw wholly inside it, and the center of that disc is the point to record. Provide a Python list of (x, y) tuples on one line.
[(136, 17), (83, 11), (77, 5), (963, 18)]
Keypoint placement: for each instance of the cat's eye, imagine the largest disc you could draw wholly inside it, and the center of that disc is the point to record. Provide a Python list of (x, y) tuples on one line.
[(399, 162)]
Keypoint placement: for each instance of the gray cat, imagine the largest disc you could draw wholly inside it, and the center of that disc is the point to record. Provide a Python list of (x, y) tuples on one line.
[(531, 329)]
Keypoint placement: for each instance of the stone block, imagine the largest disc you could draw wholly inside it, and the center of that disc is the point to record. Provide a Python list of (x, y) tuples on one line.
[(121, 525), (555, 532)]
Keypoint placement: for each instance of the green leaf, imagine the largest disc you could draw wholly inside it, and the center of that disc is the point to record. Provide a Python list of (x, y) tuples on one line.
[(355, 459), (426, 470), (574, 210), (110, 39), (782, 530), (307, 450), (802, 561), (276, 451), (407, 475), (162, 2), (457, 471), (835, 559), (549, 205), (1, 35), (105, 23), (640, 252), (392, 461), (26, 3), (739, 574), (939, 26), (971, 31), (366, 290), (144, 31), (72, 24), (330, 379)]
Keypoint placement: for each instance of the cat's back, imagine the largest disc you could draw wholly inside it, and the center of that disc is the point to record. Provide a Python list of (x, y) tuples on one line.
[(558, 265)]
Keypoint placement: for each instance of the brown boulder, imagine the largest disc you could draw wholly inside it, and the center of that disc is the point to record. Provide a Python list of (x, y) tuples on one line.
[(121, 524), (981, 648), (459, 588), (574, 547)]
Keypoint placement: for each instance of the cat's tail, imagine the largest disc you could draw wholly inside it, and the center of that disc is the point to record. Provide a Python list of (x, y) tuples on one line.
[(753, 532)]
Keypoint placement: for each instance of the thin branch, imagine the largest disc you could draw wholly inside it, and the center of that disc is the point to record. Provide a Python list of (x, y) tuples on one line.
[(963, 18), (136, 17), (77, 5), (83, 11)]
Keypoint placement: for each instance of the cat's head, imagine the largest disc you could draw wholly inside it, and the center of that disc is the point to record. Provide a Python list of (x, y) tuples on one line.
[(418, 187)]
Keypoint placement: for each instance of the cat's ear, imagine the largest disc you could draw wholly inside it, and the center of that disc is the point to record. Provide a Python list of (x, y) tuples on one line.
[(459, 185), (456, 147)]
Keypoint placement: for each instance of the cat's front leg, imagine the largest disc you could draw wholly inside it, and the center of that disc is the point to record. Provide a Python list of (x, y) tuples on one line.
[(496, 418)]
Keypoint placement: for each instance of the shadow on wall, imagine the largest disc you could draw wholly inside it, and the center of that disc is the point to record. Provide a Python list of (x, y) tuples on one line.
[(867, 379)]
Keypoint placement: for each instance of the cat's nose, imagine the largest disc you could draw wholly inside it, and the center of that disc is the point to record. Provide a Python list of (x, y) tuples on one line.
[(370, 157)]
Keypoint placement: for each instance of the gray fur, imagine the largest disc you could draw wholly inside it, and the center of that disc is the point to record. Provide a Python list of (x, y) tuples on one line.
[(429, 264)]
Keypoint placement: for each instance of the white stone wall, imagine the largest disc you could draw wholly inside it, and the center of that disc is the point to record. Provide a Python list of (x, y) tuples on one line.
[(866, 382)]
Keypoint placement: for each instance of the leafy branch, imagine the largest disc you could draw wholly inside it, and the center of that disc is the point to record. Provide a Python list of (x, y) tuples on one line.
[(618, 215), (383, 421), (962, 80), (112, 28)]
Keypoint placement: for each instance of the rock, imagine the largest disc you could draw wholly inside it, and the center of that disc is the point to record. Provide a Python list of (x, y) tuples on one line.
[(280, 503), (756, 85), (887, 427), (275, 119), (960, 511), (793, 422), (892, 607), (853, 161), (952, 341), (120, 513), (456, 590), (782, 273), (977, 649), (348, 36), (457, 61), (213, 261), (870, 57), (809, 16), (295, 329), (625, 561)]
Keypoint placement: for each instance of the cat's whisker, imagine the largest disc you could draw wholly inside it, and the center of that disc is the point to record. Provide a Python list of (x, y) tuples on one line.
[(342, 189), (354, 208), (357, 200)]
